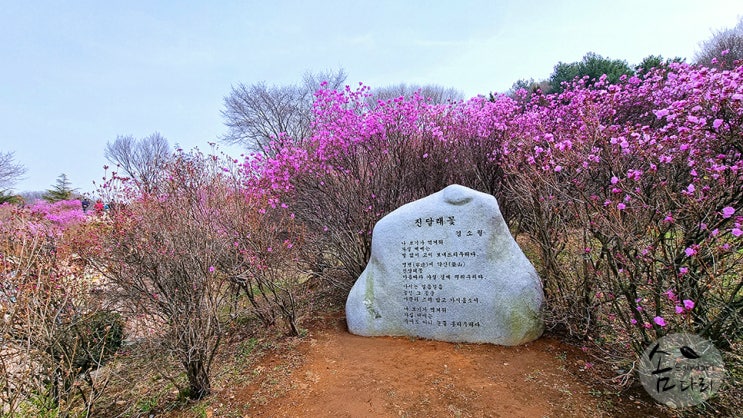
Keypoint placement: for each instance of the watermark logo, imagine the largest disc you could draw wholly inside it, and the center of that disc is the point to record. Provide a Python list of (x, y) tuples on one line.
[(681, 370)]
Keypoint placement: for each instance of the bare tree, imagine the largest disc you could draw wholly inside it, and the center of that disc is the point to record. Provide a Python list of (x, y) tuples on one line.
[(258, 114), (141, 159), (10, 171), (430, 92), (724, 49)]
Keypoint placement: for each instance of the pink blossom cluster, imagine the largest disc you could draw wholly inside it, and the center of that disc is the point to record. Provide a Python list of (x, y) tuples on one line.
[(63, 213), (648, 171)]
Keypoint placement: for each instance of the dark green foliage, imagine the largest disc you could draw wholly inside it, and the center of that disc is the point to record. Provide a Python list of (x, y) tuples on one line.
[(593, 65), (654, 61), (94, 339), (522, 90), (61, 191), (522, 84), (7, 197), (86, 344)]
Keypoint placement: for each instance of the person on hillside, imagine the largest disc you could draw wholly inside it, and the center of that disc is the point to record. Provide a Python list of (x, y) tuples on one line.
[(98, 207), (85, 204)]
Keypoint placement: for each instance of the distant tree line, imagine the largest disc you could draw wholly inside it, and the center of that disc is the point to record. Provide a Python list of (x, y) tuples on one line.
[(724, 50)]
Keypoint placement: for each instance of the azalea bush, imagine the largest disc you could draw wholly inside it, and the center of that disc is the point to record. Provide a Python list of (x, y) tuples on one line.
[(627, 196), (161, 253), (267, 246), (364, 161), (637, 185), (55, 332), (176, 253)]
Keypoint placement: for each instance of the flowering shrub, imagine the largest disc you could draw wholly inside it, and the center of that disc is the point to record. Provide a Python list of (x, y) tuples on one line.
[(54, 333), (174, 251), (62, 214), (637, 183), (162, 252), (361, 163), (267, 243), (629, 194)]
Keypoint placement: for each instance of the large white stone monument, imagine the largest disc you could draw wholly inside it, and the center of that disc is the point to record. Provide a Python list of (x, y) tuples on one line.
[(446, 267)]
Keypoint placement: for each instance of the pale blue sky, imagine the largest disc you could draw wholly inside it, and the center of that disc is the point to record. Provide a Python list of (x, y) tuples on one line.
[(75, 74)]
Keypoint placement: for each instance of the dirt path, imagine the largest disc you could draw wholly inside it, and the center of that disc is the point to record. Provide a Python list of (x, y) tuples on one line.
[(332, 373)]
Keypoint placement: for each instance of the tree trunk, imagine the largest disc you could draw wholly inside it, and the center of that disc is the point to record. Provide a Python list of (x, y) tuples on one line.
[(198, 379)]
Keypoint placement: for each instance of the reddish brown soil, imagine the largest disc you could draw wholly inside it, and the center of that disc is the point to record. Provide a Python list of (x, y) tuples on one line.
[(331, 373)]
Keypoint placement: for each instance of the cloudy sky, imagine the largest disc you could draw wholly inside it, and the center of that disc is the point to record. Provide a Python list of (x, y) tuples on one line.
[(75, 74)]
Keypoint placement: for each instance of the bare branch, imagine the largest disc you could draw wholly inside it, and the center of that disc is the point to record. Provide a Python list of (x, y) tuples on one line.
[(430, 92), (141, 159), (258, 114), (729, 41), (10, 171)]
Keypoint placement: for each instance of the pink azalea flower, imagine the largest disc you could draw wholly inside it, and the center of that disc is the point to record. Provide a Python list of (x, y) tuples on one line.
[(736, 232), (660, 321), (621, 206), (727, 212), (660, 113), (690, 251), (688, 304), (633, 321), (679, 309), (211, 269)]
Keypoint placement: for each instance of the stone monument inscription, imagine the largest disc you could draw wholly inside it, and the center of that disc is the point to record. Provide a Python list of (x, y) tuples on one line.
[(446, 267)]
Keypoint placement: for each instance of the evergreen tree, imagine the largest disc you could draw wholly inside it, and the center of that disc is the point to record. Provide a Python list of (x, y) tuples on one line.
[(61, 191), (8, 197), (593, 65), (654, 61)]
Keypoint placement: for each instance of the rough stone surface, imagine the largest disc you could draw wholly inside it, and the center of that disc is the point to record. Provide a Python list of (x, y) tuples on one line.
[(446, 267)]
